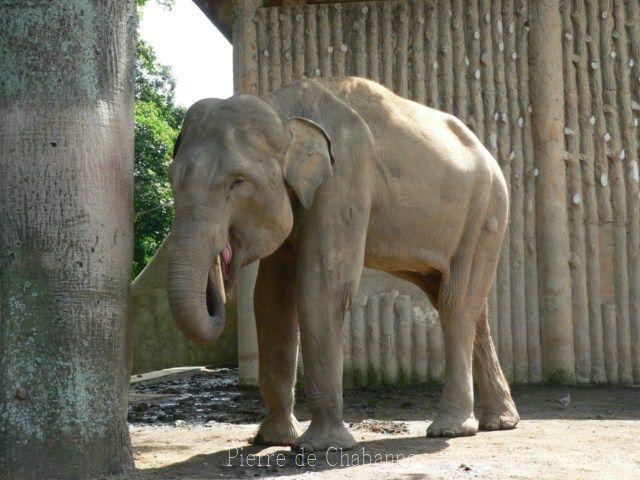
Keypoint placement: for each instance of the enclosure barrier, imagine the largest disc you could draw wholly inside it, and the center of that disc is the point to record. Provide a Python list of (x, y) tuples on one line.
[(554, 93), (601, 46), (387, 341)]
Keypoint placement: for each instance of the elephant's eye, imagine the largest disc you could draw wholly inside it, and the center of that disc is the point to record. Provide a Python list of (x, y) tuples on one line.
[(236, 182), (240, 186)]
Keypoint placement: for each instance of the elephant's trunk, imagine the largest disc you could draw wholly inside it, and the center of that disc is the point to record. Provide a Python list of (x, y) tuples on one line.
[(194, 289)]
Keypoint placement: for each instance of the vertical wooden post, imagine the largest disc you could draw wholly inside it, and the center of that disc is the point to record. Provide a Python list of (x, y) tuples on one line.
[(387, 46), (298, 42), (402, 51), (573, 135), (547, 98), (245, 47), (491, 142), (460, 60), (534, 361), (435, 346), (286, 33), (275, 61), (417, 49), (615, 157), (324, 41), (263, 47), (404, 337), (431, 54), (502, 146), (339, 48), (517, 221), (347, 339), (591, 224), (474, 76), (374, 352), (389, 365), (373, 39), (628, 60), (311, 43), (358, 341), (420, 347), (360, 39), (444, 58), (245, 80), (605, 233)]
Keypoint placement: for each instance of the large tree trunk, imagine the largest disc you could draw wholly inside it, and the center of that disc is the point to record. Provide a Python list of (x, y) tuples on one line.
[(66, 158)]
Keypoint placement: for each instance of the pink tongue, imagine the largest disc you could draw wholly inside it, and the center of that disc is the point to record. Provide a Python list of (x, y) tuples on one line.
[(226, 254)]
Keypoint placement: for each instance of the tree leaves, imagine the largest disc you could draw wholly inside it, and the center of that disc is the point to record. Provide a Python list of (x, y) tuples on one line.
[(157, 123)]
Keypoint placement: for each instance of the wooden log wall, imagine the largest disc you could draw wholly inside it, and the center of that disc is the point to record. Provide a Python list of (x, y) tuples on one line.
[(389, 341), (602, 91), (471, 58)]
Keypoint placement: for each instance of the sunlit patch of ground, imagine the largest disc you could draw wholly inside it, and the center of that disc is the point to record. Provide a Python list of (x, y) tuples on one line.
[(201, 432)]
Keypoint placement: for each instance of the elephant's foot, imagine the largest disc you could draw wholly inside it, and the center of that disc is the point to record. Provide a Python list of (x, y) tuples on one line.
[(453, 425), (325, 436), (500, 417), (277, 430)]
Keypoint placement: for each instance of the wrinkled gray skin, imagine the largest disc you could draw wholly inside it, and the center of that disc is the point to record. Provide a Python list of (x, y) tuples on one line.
[(317, 179)]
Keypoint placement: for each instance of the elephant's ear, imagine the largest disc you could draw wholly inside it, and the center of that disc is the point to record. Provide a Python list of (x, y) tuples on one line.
[(307, 162)]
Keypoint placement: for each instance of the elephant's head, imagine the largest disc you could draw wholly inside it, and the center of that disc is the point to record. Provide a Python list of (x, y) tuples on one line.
[(237, 169)]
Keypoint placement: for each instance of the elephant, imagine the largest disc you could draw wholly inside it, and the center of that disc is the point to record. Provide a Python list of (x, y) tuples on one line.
[(315, 180)]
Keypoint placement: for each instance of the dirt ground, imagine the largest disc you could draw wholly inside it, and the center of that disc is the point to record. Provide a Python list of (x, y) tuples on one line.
[(196, 425)]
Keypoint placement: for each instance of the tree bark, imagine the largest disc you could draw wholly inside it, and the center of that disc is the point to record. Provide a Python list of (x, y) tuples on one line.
[(66, 188)]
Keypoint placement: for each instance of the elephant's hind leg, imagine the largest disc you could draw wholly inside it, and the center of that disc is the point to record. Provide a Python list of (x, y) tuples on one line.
[(498, 409), (455, 411), (461, 300), (277, 326)]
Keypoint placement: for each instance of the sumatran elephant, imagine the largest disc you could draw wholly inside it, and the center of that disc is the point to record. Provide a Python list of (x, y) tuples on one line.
[(316, 180)]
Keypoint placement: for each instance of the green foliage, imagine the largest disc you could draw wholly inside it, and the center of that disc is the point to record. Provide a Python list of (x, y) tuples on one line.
[(164, 3), (157, 122)]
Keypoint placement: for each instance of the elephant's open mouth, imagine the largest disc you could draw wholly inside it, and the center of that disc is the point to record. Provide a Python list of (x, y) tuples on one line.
[(219, 280), (225, 259)]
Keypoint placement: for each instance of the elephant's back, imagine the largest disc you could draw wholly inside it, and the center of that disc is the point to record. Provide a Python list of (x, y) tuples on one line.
[(431, 170), (412, 123), (413, 140)]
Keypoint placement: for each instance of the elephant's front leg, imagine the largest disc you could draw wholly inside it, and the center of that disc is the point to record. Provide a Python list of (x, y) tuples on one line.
[(277, 327), (321, 314), (328, 275)]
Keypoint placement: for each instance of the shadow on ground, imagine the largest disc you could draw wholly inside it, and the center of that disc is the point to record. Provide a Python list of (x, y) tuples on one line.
[(214, 396), (248, 461)]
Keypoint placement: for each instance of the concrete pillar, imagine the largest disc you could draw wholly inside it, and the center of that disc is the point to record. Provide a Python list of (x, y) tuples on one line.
[(547, 100), (247, 337), (245, 80)]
